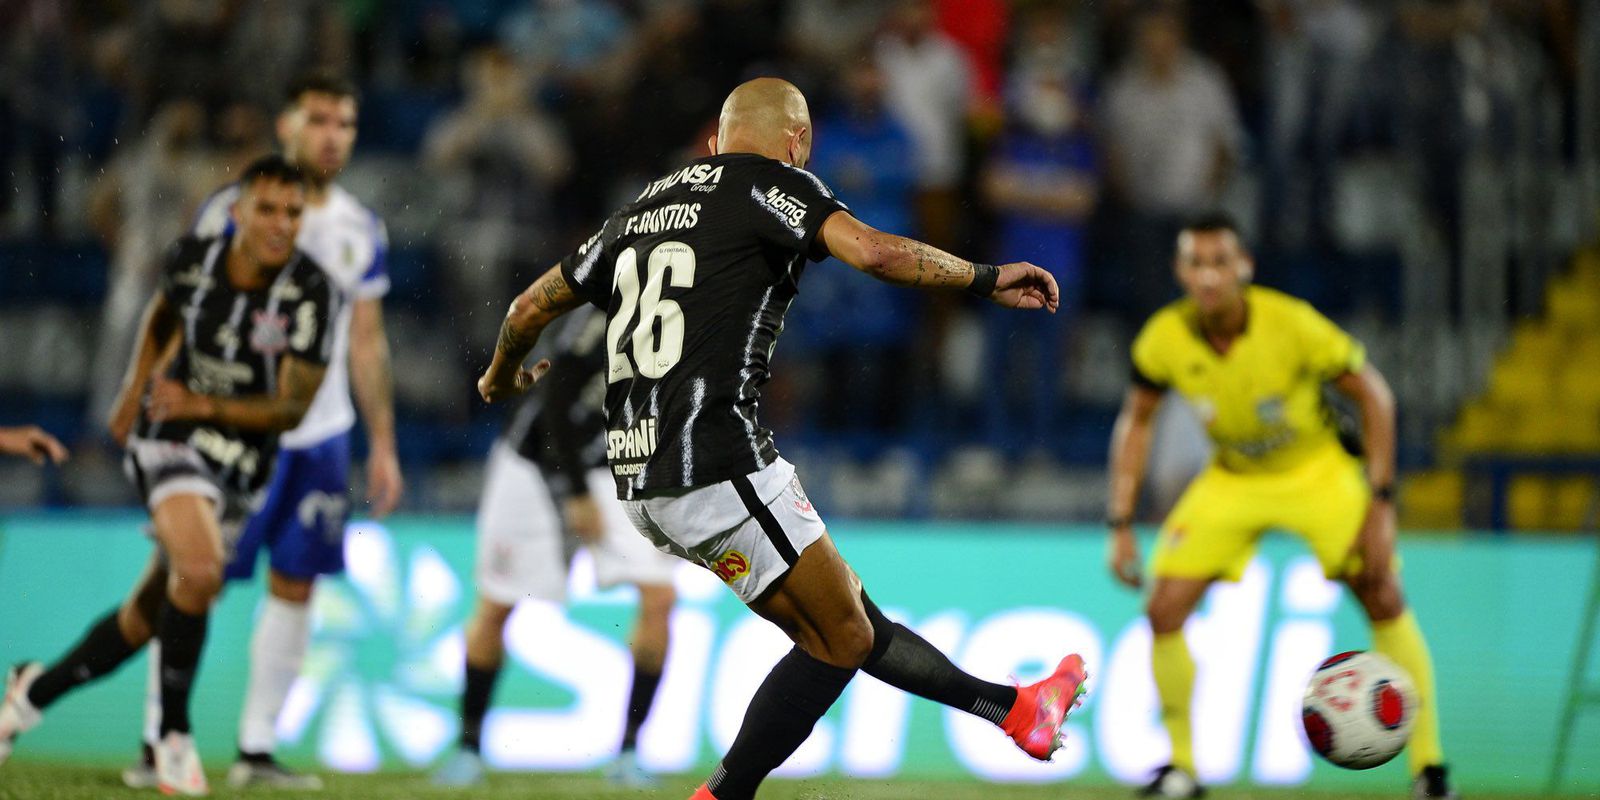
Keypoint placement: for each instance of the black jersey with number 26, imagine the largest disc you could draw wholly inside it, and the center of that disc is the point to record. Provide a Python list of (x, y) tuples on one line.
[(695, 276), (233, 343)]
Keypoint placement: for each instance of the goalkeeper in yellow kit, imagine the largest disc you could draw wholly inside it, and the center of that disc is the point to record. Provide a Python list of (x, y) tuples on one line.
[(1252, 362)]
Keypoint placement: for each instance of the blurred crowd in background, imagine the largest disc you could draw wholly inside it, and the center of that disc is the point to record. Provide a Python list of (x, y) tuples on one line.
[(1419, 169)]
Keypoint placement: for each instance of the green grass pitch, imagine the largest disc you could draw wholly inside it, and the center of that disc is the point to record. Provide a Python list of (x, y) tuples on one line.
[(28, 780)]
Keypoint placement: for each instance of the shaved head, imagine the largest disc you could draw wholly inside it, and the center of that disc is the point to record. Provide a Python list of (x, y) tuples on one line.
[(766, 116)]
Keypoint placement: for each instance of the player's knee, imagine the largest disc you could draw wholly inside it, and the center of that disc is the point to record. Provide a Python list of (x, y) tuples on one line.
[(848, 643), (1166, 616), (198, 578), (288, 588)]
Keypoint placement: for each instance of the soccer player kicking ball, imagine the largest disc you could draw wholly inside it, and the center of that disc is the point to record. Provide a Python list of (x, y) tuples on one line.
[(248, 320), (548, 473), (302, 521), (695, 276), (1252, 361)]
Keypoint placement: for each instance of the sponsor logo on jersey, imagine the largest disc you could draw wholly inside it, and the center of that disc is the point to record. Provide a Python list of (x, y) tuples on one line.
[(695, 175), (732, 566), (230, 453), (269, 333), (636, 443), (1270, 410), (212, 375), (788, 209)]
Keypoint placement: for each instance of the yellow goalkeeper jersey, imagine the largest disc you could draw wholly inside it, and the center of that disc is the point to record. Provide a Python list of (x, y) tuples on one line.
[(1261, 402)]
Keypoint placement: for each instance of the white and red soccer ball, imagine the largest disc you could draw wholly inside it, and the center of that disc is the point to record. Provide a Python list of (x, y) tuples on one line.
[(1358, 710)]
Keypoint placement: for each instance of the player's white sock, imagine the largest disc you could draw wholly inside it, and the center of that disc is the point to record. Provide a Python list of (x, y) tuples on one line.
[(276, 652), (152, 693)]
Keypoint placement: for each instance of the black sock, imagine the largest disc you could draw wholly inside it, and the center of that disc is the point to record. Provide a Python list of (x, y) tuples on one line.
[(182, 638), (101, 650), (785, 708), (640, 699), (476, 692), (907, 661)]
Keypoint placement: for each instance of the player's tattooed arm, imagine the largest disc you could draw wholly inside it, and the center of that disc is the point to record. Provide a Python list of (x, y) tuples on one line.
[(298, 381), (908, 262), (531, 312), (157, 339)]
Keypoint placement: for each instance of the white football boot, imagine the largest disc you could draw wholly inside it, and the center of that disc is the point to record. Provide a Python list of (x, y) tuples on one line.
[(178, 769), (17, 715)]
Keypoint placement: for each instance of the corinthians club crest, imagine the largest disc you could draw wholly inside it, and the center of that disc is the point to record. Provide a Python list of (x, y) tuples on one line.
[(269, 332)]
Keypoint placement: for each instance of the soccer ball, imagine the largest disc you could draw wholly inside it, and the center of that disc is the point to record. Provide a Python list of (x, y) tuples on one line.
[(1358, 710)]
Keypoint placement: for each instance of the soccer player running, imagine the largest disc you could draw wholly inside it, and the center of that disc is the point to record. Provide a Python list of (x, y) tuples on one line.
[(248, 320), (302, 521), (550, 467), (695, 275), (1253, 362)]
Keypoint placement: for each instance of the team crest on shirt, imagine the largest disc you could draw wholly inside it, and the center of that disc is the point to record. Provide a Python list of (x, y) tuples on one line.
[(1270, 410), (269, 332), (732, 566)]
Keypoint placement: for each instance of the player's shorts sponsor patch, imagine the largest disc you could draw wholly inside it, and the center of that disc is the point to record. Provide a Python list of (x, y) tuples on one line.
[(732, 566)]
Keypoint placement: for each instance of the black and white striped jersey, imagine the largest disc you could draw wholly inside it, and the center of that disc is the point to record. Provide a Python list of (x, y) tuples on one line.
[(695, 276), (233, 343), (561, 425)]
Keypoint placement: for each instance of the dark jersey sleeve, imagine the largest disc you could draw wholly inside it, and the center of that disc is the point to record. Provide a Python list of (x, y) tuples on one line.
[(588, 271), (788, 206), (182, 253), (311, 320)]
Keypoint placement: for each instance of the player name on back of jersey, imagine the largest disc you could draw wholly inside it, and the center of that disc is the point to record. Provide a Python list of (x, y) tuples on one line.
[(677, 216), (629, 449)]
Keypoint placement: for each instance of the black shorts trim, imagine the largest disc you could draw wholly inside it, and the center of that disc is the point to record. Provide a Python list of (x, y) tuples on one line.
[(769, 523)]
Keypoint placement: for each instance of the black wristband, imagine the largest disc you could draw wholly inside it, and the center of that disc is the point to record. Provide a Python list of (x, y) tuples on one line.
[(1118, 522), (1384, 493), (984, 278)]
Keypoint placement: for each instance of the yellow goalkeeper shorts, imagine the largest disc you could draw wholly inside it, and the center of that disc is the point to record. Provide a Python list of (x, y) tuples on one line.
[(1212, 532)]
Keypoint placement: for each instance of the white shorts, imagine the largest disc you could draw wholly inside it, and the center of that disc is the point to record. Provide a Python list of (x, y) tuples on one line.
[(161, 469), (748, 531), (523, 547)]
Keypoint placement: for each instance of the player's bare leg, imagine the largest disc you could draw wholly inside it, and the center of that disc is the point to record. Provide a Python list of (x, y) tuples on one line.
[(1172, 601), (486, 651), (277, 650), (187, 527), (837, 629), (1396, 635), (651, 635)]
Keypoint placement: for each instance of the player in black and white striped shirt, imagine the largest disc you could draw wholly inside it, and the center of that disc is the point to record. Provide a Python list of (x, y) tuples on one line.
[(695, 276), (242, 326)]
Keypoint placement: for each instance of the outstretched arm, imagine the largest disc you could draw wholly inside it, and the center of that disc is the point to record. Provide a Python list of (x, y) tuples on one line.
[(908, 262), (298, 380), (547, 299), (33, 443)]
